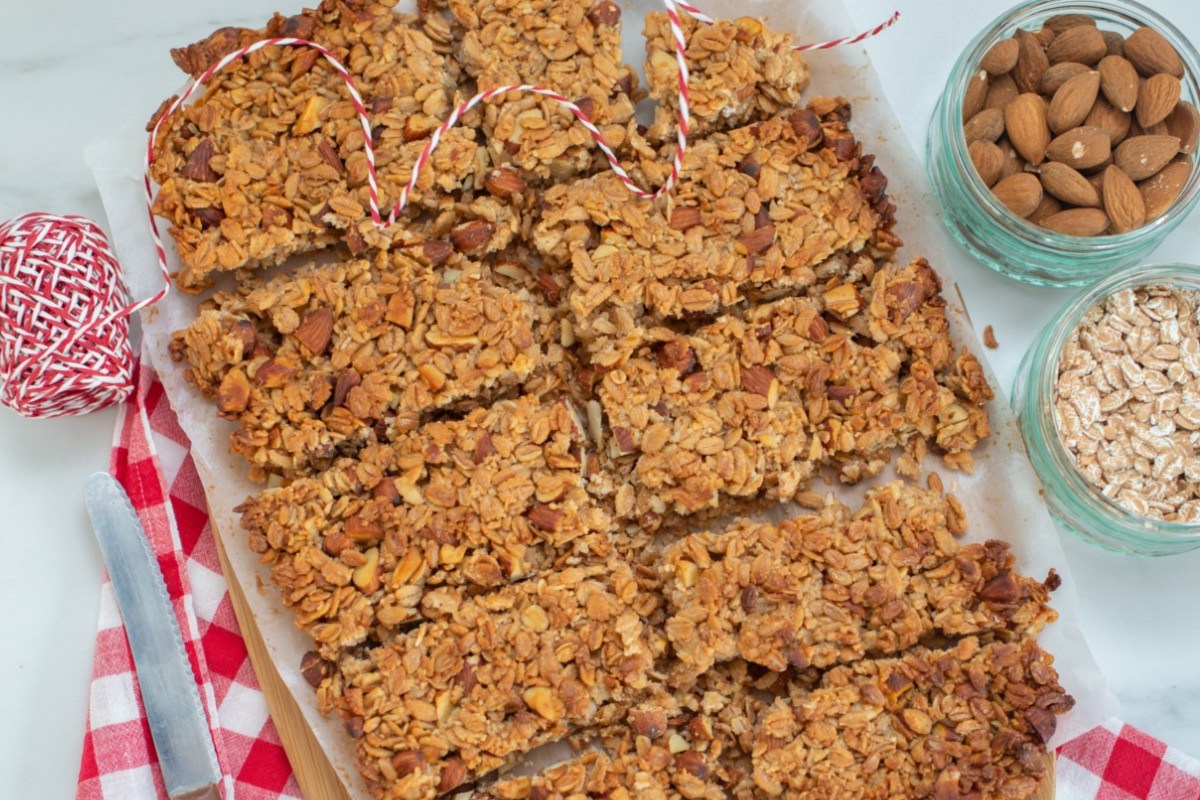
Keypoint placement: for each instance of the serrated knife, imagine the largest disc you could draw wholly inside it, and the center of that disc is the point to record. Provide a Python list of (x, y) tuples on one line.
[(177, 722)]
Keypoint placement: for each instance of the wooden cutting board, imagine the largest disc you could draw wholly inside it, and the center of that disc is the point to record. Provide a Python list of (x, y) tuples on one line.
[(314, 773)]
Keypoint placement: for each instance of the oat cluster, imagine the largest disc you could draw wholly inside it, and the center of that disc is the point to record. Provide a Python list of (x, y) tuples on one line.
[(503, 442)]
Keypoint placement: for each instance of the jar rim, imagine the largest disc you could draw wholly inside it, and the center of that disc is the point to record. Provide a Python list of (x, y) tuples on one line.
[(1001, 27), (1177, 275)]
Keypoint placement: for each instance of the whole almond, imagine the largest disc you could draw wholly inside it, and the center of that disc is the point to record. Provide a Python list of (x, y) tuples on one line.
[(1082, 148), (986, 125), (1184, 122), (1073, 101), (1002, 90), (1108, 119), (1057, 75), (1001, 57), (1061, 22), (1048, 206), (1115, 42), (1025, 122), (1020, 193), (1151, 54), (1068, 185), (1142, 156), (1122, 201), (1077, 222), (1160, 192), (1082, 43), (1031, 62), (1013, 163), (1119, 82), (1157, 98), (988, 160), (975, 94)]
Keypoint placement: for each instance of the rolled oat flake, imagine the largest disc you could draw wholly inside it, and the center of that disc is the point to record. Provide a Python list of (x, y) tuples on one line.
[(1127, 401)]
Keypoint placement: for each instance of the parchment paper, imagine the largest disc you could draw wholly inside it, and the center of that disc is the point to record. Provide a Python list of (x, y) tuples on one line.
[(1001, 497)]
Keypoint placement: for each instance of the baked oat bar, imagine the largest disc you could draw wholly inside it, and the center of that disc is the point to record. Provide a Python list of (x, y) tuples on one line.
[(834, 587), (570, 46), (972, 721), (768, 209), (505, 672), (406, 529), (746, 408), (270, 161), (321, 362), (739, 71)]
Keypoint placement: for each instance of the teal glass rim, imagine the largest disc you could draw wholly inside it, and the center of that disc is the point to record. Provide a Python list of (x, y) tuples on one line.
[(993, 234), (1074, 502)]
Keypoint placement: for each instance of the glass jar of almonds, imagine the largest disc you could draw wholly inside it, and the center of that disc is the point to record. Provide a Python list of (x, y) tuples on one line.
[(1108, 403), (1063, 144)]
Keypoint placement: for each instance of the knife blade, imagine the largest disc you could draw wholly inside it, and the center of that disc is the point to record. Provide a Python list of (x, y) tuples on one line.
[(177, 721)]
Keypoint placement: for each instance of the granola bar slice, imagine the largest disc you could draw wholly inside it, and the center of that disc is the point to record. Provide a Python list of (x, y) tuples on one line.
[(746, 408), (969, 722), (321, 362), (270, 161), (831, 587), (570, 46), (739, 71), (408, 528), (505, 672), (768, 209)]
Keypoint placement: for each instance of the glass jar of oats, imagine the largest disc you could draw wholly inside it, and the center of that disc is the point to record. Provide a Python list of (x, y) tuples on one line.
[(1108, 402)]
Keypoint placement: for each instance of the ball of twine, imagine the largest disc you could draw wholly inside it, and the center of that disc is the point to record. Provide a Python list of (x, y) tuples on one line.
[(65, 345)]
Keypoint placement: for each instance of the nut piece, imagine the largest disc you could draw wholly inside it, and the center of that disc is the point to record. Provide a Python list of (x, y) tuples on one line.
[(757, 241), (758, 379), (685, 217), (233, 395), (471, 236), (1119, 82), (1142, 156), (1122, 201), (693, 762), (1025, 121), (1081, 148), (406, 762), (605, 14), (542, 700), (1020, 193), (454, 773), (1001, 58), (544, 517), (504, 183), (650, 723), (197, 167), (1157, 99), (314, 668), (316, 329), (1151, 54), (1073, 101)]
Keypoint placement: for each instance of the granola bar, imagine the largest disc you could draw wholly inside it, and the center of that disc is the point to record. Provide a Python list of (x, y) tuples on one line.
[(506, 671), (323, 361), (406, 529), (764, 210), (746, 408), (270, 161), (831, 587), (739, 71), (570, 46), (969, 722)]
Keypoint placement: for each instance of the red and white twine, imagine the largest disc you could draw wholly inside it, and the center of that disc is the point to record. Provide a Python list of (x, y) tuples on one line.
[(65, 344)]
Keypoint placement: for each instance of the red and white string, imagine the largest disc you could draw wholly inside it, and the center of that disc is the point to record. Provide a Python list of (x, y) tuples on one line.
[(673, 8)]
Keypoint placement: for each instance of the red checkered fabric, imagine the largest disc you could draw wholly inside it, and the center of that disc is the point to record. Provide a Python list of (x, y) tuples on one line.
[(150, 457), (151, 460)]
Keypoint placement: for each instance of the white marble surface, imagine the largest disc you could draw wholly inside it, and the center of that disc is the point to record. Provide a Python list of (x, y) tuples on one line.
[(73, 73)]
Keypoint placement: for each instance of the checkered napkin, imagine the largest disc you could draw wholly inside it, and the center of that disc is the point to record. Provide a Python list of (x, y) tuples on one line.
[(150, 458)]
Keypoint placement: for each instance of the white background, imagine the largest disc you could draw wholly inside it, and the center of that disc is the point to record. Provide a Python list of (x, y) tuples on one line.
[(73, 73)]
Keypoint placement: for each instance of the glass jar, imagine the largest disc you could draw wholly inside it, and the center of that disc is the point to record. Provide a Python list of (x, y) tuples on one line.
[(1074, 502), (993, 234)]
